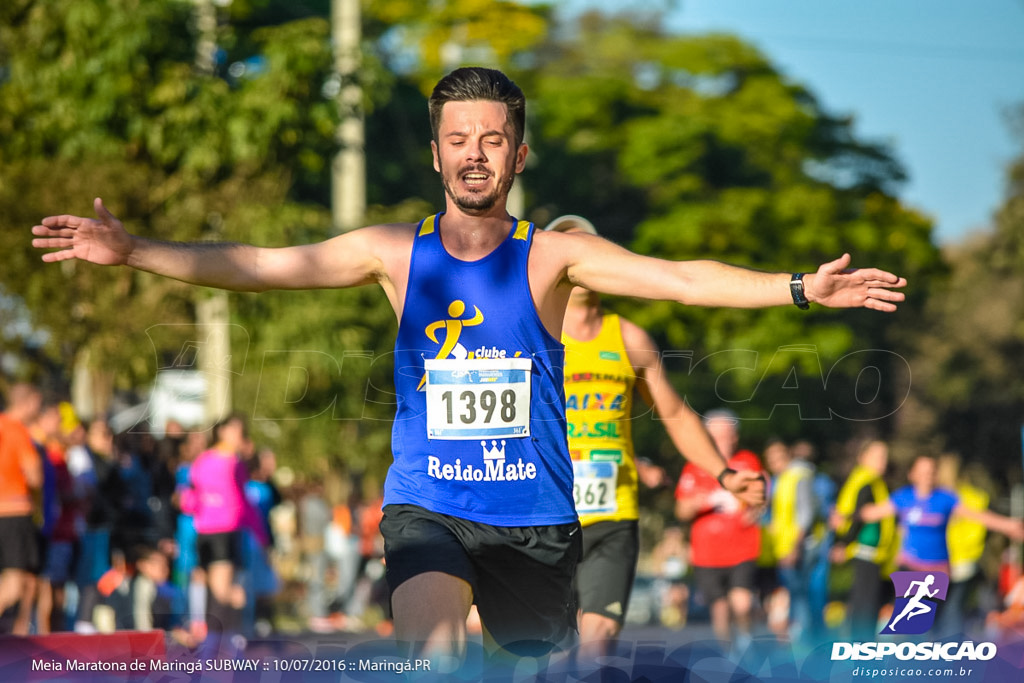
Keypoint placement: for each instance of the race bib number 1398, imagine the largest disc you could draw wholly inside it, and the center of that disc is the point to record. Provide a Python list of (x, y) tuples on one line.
[(475, 399)]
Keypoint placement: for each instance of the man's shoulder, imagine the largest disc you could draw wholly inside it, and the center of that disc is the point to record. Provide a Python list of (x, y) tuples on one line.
[(563, 246), (389, 243)]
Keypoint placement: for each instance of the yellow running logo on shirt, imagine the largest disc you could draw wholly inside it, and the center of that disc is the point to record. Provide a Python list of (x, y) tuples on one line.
[(453, 330)]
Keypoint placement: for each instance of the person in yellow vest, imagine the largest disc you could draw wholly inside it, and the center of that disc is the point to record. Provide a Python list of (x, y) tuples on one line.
[(868, 547), (794, 531), (607, 358), (965, 539)]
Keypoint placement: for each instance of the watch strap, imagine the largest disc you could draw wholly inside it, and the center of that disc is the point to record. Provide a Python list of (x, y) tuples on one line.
[(796, 289), (721, 475)]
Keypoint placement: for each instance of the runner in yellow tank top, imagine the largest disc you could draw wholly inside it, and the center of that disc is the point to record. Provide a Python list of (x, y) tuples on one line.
[(607, 358), (599, 380)]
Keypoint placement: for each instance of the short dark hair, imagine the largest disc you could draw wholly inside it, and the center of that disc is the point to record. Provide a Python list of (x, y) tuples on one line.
[(473, 83), (235, 416)]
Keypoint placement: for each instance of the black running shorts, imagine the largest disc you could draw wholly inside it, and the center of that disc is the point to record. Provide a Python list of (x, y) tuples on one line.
[(19, 544), (521, 576), (604, 578), (220, 547), (716, 582)]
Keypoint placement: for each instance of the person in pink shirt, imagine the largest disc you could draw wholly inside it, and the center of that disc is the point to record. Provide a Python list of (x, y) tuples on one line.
[(215, 497)]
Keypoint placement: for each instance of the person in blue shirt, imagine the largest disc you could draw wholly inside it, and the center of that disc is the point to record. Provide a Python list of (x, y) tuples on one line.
[(924, 511)]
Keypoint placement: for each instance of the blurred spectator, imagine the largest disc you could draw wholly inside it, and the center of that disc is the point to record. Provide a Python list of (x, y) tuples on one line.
[(162, 475), (113, 608), (156, 602), (867, 546), (188, 576), (44, 430), (262, 583), (924, 512), (314, 517), (1008, 624), (260, 488), (670, 560), (101, 479), (724, 573), (795, 531), (341, 546), (371, 551), (62, 515), (825, 496), (215, 497), (965, 539), (20, 474), (134, 453)]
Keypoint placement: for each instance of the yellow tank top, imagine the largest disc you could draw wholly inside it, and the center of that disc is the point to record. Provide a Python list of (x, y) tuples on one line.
[(876, 542), (966, 538), (783, 529), (599, 379)]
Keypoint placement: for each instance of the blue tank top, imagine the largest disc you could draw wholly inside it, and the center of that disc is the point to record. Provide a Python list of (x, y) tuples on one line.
[(478, 311)]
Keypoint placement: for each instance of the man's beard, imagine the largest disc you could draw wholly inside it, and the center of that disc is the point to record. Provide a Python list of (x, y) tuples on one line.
[(477, 202)]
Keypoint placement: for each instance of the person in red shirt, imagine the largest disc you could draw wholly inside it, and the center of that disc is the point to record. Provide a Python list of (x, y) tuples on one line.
[(725, 539), (20, 473)]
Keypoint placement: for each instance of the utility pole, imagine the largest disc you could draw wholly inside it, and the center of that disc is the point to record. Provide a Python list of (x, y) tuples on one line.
[(213, 310), (206, 43), (348, 176)]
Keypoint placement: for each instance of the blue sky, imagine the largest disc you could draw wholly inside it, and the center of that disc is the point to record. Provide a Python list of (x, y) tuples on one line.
[(934, 79)]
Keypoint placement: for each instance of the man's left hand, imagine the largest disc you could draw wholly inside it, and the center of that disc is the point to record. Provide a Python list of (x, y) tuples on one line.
[(836, 285)]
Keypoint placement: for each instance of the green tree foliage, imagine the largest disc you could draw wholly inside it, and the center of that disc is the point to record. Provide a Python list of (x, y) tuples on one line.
[(970, 351), (104, 99), (681, 146), (425, 40), (701, 149)]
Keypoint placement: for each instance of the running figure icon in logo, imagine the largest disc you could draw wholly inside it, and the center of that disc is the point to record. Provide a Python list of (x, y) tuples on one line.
[(919, 591)]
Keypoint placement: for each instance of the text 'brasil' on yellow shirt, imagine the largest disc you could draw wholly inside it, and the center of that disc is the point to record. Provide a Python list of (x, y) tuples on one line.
[(599, 379)]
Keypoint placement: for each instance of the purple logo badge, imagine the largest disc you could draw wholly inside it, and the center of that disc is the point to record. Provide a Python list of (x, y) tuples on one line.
[(916, 596)]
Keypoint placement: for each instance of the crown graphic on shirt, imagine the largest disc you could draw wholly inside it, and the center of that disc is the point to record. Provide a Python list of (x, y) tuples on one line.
[(495, 452)]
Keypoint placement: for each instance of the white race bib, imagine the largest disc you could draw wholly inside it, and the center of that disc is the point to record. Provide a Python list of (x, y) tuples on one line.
[(478, 398), (593, 486)]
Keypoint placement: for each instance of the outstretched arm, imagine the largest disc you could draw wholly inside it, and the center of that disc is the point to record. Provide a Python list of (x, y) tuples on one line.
[(603, 266), (683, 426), (344, 261), (1008, 526), (876, 512)]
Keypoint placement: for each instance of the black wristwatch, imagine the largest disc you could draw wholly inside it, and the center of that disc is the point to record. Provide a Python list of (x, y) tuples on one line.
[(721, 475), (796, 288)]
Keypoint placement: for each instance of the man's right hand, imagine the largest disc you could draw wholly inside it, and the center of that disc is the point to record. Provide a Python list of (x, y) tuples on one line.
[(747, 485), (103, 241)]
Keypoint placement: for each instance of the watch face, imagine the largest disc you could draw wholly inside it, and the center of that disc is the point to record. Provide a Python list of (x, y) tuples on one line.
[(796, 288)]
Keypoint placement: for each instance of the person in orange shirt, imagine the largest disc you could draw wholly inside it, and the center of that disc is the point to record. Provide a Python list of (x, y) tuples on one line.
[(44, 584), (20, 473)]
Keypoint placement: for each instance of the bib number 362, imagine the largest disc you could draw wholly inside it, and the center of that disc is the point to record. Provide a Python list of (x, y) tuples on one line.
[(474, 399), (593, 486)]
